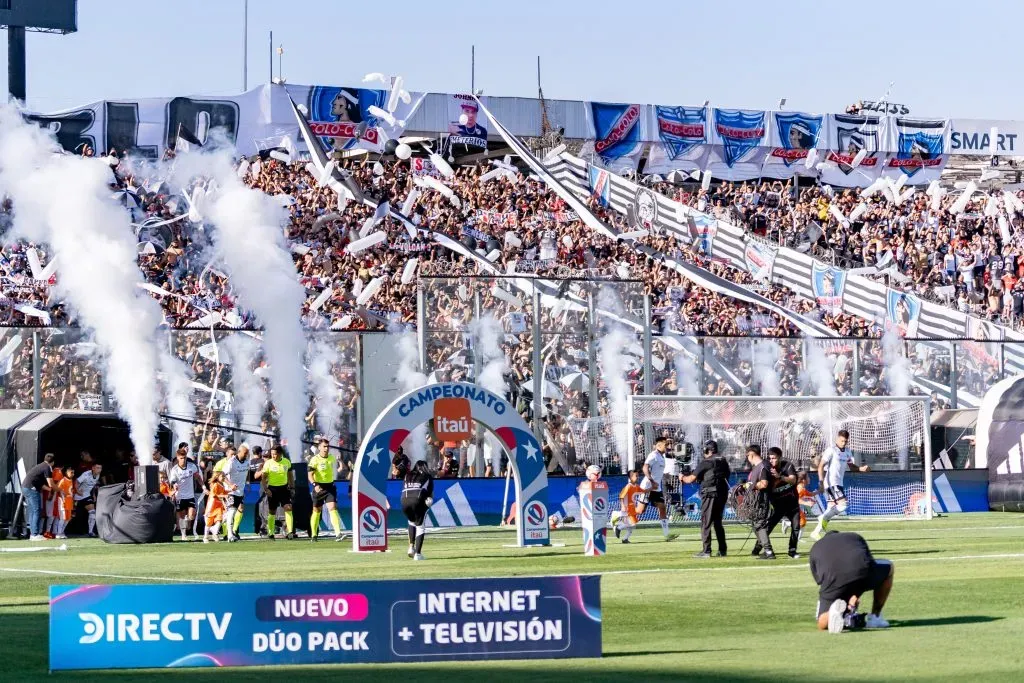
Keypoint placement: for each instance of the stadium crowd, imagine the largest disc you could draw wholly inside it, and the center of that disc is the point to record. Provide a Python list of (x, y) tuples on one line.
[(503, 227)]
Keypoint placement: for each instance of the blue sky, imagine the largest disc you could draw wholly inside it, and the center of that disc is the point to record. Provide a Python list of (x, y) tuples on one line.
[(946, 58)]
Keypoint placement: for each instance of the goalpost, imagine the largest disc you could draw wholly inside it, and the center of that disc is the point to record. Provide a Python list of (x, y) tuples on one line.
[(890, 434)]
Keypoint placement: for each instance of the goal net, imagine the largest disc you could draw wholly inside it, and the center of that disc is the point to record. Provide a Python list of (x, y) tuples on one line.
[(889, 434)]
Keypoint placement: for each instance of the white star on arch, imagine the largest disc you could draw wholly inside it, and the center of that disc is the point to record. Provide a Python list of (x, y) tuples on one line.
[(374, 455), (531, 453)]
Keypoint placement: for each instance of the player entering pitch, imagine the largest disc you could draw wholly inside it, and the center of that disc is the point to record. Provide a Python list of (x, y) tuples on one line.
[(654, 474), (835, 461)]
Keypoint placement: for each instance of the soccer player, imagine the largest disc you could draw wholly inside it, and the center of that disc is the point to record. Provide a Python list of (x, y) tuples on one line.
[(235, 468), (782, 495), (85, 498), (713, 474), (184, 479), (832, 469), (280, 484), (654, 472), (844, 569), (417, 497), (323, 470)]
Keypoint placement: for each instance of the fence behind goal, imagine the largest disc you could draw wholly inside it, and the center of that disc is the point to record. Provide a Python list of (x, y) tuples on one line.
[(889, 434)]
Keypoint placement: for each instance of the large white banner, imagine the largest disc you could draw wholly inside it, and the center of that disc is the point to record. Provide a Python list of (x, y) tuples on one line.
[(973, 136), (254, 120)]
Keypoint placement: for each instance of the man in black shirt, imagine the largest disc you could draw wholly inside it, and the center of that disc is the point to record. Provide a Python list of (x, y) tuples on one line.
[(782, 495), (713, 475), (37, 480), (759, 485), (843, 568)]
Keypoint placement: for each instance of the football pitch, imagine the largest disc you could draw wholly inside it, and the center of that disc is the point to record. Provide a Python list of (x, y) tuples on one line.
[(956, 609)]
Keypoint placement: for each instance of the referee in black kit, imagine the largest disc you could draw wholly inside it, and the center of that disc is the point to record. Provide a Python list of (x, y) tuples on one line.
[(713, 474)]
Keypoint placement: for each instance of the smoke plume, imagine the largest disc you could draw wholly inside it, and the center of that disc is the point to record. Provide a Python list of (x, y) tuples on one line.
[(249, 240), (322, 359), (65, 201)]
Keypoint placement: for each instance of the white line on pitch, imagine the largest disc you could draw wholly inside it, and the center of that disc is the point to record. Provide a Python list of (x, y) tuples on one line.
[(761, 567), (101, 576)]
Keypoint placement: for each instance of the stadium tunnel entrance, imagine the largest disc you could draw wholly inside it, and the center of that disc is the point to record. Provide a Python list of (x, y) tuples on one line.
[(454, 407), (27, 435)]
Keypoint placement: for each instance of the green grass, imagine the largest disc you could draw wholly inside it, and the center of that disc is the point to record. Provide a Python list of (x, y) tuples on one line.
[(957, 607)]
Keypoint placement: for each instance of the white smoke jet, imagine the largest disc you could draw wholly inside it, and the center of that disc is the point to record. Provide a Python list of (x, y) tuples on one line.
[(487, 335), (615, 363), (178, 395), (764, 356), (249, 399), (323, 357), (408, 378), (819, 371), (687, 384), (65, 201), (898, 376), (249, 237)]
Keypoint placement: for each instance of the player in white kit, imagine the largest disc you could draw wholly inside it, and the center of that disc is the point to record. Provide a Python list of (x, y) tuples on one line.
[(832, 468), (85, 500), (654, 474)]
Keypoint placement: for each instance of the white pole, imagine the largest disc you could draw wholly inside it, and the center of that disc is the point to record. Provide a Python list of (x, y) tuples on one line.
[(927, 460), (631, 443), (508, 480)]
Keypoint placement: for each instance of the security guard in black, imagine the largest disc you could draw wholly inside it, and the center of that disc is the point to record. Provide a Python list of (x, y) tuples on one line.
[(713, 475)]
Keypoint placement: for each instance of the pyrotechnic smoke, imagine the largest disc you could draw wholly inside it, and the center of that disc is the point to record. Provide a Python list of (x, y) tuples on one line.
[(178, 394), (249, 239), (487, 337), (249, 399), (65, 201), (408, 378), (323, 357), (764, 357), (615, 363), (818, 370), (898, 376)]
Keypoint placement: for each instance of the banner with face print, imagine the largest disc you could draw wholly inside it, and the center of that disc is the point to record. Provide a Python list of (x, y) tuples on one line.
[(920, 149), (847, 135), (793, 136), (464, 125)]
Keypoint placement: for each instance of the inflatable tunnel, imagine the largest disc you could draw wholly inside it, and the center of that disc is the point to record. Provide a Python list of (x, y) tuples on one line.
[(1000, 444)]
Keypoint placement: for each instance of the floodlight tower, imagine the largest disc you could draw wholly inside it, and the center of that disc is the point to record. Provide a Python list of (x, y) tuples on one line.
[(42, 16)]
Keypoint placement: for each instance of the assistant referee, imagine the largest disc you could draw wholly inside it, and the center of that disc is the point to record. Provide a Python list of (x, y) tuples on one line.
[(280, 480), (323, 468)]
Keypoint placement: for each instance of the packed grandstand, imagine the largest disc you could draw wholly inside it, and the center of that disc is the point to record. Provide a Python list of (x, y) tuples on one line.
[(948, 247)]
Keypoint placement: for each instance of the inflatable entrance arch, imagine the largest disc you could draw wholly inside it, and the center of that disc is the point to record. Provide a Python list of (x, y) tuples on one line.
[(454, 407)]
